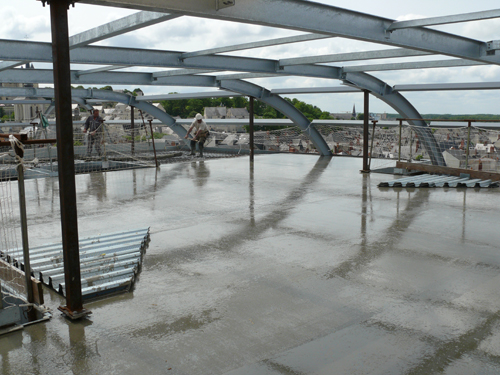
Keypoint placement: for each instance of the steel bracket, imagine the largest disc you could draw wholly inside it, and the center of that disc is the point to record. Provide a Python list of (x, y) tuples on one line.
[(220, 4), (74, 315), (70, 2)]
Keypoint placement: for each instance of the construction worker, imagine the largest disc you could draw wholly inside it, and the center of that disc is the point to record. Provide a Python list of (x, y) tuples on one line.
[(94, 126), (200, 134)]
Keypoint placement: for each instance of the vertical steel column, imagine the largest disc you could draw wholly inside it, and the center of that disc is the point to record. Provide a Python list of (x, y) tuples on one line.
[(411, 143), (24, 233), (132, 130), (400, 127), (153, 140), (251, 129), (371, 145), (65, 155), (366, 117), (468, 146)]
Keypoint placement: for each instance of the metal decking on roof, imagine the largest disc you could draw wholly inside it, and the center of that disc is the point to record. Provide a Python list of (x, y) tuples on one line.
[(108, 263), (427, 180)]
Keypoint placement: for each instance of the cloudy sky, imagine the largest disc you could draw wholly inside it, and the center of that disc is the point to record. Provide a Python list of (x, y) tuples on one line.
[(28, 20)]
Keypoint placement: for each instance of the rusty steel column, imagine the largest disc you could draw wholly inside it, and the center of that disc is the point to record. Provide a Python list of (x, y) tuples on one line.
[(132, 129), (65, 157), (250, 129), (24, 233), (366, 117), (153, 141)]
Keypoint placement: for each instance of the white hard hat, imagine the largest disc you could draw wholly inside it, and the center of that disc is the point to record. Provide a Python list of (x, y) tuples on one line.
[(199, 116)]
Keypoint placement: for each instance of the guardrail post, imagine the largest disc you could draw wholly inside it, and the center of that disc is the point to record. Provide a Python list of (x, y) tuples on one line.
[(366, 168), (468, 145), (250, 129)]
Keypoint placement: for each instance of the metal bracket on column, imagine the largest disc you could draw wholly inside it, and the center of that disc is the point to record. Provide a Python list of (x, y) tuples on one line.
[(73, 315), (220, 4), (70, 2)]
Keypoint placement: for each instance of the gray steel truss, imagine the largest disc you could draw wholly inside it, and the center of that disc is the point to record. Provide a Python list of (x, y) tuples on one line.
[(80, 96), (467, 17), (109, 30), (263, 43), (322, 19)]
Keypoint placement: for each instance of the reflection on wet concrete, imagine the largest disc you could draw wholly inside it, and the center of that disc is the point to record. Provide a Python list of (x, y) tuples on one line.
[(370, 251), (186, 323), (250, 229), (292, 265), (201, 173)]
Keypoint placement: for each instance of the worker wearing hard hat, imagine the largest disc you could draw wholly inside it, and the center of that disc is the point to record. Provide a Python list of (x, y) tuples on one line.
[(200, 134)]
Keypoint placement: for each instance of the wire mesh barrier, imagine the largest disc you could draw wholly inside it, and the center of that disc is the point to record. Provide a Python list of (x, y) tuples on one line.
[(121, 146), (12, 282)]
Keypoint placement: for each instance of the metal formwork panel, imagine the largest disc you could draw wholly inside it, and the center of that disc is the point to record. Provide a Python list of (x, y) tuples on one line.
[(108, 263), (427, 181)]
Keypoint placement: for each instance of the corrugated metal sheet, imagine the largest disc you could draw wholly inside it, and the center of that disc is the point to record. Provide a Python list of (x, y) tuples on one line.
[(427, 180), (108, 263)]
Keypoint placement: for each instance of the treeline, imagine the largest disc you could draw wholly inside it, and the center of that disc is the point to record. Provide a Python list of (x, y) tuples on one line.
[(188, 108)]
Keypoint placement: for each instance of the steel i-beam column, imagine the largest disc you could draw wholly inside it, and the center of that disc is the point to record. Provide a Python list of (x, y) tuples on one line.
[(65, 158), (251, 129), (366, 117)]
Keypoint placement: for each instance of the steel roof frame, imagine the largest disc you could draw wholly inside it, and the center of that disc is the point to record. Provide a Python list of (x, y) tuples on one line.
[(299, 15), (319, 18)]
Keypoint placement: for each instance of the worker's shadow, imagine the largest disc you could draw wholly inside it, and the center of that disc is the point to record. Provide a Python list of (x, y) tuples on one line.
[(201, 173)]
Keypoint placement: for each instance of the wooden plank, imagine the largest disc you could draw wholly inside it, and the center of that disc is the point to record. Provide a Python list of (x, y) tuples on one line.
[(8, 273), (436, 169)]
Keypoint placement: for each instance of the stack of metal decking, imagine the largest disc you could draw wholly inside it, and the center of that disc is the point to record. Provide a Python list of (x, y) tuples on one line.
[(108, 263), (427, 180)]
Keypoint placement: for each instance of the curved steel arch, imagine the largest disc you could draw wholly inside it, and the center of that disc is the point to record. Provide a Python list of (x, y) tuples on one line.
[(130, 100), (238, 86), (397, 101), (79, 96), (281, 105)]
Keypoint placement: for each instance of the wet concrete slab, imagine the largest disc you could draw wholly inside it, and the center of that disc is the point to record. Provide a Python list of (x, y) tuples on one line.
[(297, 265)]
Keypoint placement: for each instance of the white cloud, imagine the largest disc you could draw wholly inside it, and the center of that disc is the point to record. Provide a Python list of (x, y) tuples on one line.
[(16, 25)]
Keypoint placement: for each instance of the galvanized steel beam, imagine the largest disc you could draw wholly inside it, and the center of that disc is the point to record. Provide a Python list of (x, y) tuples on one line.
[(108, 30), (10, 65), (98, 55), (191, 95), (432, 21), (315, 90), (120, 26), (322, 19), (354, 56), (181, 72), (259, 44), (109, 78), (412, 65), (449, 86), (99, 70)]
